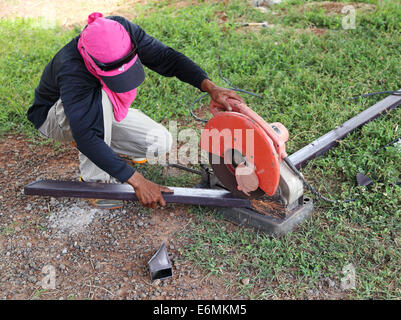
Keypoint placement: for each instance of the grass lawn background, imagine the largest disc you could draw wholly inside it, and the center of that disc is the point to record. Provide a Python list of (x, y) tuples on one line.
[(306, 67)]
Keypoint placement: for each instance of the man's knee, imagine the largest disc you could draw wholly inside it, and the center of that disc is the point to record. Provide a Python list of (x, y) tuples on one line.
[(159, 142), (56, 126), (165, 142)]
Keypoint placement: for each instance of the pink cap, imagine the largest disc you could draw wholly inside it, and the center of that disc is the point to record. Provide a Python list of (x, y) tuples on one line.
[(104, 39), (107, 41)]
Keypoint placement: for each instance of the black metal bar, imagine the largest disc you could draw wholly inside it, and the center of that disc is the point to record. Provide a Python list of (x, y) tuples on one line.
[(76, 189), (330, 139)]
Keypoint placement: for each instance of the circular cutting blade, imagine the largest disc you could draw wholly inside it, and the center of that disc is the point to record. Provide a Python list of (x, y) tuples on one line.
[(226, 175)]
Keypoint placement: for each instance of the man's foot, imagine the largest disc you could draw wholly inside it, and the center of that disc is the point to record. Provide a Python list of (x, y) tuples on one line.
[(104, 203), (138, 160)]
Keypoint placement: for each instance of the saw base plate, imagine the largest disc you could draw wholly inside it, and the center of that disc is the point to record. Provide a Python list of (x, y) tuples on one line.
[(271, 224)]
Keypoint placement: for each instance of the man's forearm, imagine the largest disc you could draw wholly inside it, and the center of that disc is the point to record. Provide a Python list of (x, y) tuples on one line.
[(208, 86)]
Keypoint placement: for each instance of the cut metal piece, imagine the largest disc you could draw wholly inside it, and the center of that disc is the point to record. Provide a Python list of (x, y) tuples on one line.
[(363, 180), (194, 196), (159, 265)]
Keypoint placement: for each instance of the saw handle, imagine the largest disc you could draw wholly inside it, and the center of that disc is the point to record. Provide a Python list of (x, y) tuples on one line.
[(276, 131)]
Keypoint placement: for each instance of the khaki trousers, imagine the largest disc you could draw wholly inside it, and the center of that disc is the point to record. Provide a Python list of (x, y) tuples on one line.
[(136, 135)]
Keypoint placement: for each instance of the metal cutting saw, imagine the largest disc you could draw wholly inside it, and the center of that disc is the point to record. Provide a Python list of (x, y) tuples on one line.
[(247, 154)]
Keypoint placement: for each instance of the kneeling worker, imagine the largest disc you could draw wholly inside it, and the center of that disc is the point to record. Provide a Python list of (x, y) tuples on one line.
[(85, 93)]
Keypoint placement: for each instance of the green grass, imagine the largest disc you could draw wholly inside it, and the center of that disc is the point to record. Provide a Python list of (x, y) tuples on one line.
[(305, 81)]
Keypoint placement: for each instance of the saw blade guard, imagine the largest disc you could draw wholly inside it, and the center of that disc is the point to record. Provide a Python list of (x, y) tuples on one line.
[(277, 132)]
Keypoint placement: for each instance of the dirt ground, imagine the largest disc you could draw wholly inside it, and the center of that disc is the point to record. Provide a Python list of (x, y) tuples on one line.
[(75, 12), (96, 254), (67, 13), (332, 7)]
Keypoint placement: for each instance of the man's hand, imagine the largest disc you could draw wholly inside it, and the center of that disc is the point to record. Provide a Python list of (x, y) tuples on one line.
[(219, 94), (148, 193)]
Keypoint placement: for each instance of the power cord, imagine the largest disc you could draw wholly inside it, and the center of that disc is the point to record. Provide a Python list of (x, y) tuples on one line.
[(395, 93), (393, 143), (318, 194), (309, 187)]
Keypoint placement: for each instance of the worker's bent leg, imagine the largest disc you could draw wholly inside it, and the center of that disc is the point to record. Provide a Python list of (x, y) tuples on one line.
[(57, 127), (139, 136), (89, 171)]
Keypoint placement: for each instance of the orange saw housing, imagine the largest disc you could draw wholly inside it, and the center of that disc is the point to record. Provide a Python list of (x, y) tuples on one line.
[(243, 134)]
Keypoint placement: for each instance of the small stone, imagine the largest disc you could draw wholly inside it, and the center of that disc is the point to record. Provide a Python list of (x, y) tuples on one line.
[(262, 9), (121, 292), (245, 281), (331, 283), (156, 282)]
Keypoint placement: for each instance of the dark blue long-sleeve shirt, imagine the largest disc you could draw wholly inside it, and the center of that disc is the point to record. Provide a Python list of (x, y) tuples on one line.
[(66, 77)]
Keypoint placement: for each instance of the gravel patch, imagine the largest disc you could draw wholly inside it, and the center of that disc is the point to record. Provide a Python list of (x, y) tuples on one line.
[(91, 253), (72, 218)]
